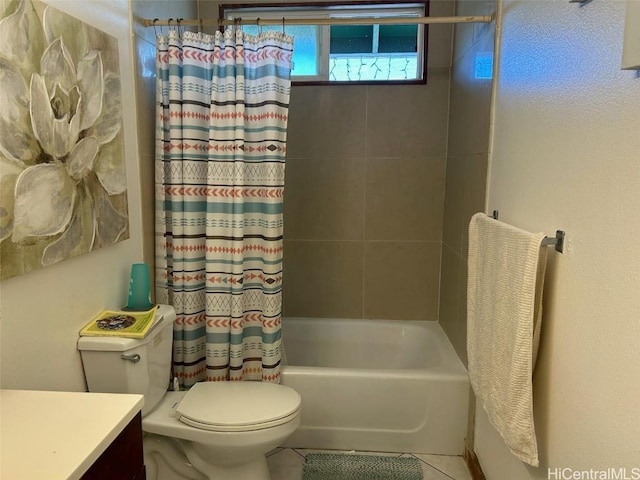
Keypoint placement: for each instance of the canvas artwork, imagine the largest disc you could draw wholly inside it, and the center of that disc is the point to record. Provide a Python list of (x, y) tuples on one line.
[(62, 167)]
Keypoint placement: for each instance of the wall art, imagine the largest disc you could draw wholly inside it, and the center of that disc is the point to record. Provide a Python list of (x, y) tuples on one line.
[(63, 188)]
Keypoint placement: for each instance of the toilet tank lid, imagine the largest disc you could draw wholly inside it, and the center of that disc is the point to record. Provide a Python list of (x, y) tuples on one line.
[(164, 316)]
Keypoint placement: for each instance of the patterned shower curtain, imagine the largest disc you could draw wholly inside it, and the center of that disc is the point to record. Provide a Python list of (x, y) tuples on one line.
[(222, 104)]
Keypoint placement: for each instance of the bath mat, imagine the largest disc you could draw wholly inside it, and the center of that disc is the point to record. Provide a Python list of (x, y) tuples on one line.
[(331, 466)]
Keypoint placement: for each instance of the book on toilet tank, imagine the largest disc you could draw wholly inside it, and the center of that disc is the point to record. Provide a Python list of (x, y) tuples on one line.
[(120, 323)]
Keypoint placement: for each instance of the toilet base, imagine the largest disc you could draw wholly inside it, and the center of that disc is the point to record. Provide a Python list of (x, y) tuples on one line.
[(164, 459), (254, 469), (171, 459)]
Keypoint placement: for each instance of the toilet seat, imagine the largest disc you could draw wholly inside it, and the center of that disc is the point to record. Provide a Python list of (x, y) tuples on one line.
[(237, 406)]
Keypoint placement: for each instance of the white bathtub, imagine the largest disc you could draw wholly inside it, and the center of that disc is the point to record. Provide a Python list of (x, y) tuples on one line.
[(375, 385)]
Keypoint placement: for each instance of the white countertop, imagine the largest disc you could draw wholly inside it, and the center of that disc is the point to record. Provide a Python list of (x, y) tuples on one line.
[(58, 435)]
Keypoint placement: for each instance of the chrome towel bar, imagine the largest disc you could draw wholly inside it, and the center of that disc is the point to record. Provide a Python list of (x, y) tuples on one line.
[(557, 241)]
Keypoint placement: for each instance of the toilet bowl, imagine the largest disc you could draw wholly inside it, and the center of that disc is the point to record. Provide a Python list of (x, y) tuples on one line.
[(216, 430), (232, 441)]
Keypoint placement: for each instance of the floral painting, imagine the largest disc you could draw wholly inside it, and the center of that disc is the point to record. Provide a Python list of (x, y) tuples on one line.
[(62, 169)]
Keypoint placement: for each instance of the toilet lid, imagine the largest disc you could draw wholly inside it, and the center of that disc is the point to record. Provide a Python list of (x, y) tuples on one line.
[(238, 406)]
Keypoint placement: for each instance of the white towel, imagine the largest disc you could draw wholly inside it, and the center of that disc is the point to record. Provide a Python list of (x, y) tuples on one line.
[(504, 308)]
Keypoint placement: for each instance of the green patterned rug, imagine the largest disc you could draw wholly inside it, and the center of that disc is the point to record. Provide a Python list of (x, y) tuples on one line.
[(331, 466)]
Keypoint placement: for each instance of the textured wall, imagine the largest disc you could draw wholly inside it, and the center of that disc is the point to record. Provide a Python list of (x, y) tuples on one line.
[(566, 155), (42, 311)]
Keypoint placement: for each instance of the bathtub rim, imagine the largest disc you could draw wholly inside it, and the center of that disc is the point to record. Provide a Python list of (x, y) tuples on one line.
[(451, 365)]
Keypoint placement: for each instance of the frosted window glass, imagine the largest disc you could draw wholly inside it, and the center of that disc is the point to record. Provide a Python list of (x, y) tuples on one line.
[(373, 67), (305, 46)]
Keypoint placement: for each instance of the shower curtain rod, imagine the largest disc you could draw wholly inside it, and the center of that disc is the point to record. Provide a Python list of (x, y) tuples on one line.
[(206, 22)]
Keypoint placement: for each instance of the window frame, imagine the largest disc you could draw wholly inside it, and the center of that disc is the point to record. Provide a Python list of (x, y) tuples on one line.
[(310, 10)]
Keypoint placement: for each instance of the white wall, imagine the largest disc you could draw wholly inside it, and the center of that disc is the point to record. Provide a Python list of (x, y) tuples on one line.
[(42, 311), (566, 155), (145, 66)]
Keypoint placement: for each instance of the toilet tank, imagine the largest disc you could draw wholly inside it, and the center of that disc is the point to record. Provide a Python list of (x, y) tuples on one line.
[(129, 365)]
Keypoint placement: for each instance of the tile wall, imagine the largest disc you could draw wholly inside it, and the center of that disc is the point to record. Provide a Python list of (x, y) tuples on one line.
[(467, 157), (364, 195)]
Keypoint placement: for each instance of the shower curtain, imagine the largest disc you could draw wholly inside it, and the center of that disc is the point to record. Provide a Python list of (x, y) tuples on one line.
[(221, 105)]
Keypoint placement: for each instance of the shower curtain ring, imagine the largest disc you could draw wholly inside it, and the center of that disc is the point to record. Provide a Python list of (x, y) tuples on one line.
[(283, 32), (259, 26), (200, 29), (178, 28), (155, 32), (237, 23)]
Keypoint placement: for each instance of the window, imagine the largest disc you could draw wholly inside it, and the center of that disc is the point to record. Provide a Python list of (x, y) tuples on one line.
[(344, 53)]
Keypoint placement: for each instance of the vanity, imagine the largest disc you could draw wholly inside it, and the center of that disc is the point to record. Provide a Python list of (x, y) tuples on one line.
[(70, 435)]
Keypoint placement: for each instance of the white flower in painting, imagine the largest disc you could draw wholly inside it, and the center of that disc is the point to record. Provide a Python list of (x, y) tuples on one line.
[(63, 160)]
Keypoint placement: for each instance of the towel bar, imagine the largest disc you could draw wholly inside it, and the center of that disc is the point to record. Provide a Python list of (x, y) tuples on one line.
[(557, 241)]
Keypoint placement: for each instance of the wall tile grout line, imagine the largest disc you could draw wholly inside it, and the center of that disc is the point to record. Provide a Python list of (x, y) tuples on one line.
[(364, 201)]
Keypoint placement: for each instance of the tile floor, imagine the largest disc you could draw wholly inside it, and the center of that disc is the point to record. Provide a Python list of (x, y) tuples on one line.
[(286, 464)]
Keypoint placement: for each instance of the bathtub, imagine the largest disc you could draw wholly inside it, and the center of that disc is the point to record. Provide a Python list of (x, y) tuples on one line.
[(375, 385)]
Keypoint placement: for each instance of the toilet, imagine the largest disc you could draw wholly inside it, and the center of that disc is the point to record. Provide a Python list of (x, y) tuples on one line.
[(215, 431)]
